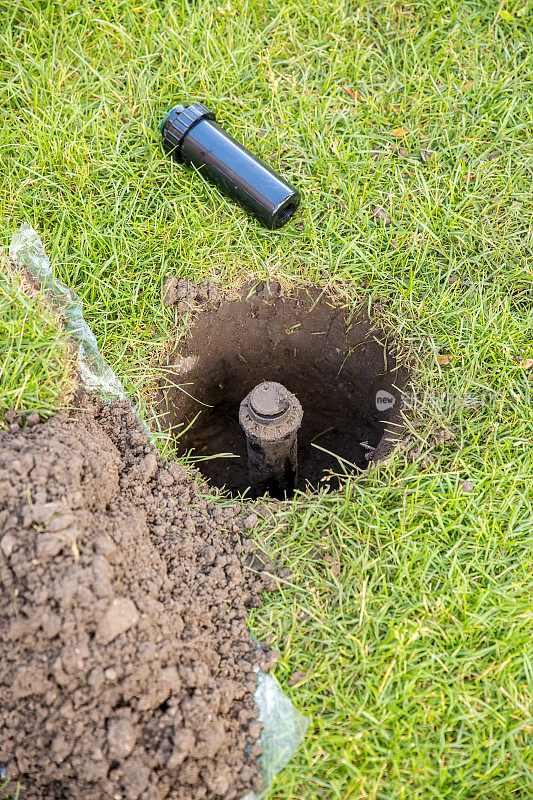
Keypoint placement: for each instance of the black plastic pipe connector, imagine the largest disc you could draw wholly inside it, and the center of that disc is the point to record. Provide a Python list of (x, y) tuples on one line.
[(191, 136)]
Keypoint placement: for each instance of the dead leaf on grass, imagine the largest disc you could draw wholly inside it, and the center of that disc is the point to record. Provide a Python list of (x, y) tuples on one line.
[(527, 363), (400, 132), (443, 360), (353, 93)]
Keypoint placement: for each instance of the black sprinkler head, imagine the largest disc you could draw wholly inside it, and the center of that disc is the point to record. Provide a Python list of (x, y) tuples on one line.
[(191, 136)]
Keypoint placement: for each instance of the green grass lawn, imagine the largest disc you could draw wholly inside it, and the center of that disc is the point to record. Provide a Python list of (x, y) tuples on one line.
[(410, 609)]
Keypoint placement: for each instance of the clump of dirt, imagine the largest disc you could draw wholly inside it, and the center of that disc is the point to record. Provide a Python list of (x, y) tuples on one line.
[(127, 669), (186, 294), (338, 360)]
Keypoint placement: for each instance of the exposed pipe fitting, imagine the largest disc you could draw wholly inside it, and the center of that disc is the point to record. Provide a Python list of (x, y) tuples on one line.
[(271, 416)]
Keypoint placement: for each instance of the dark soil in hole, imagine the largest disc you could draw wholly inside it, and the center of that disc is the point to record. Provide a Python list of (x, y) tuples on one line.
[(335, 361), (127, 670)]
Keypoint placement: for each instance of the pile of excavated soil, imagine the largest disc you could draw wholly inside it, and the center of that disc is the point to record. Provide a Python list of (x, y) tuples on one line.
[(127, 669)]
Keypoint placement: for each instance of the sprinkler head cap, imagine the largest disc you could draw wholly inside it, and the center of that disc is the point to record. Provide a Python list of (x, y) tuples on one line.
[(177, 124), (269, 401)]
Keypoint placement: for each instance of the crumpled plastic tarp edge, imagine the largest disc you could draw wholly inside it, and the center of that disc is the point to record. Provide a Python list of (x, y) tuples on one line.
[(27, 250)]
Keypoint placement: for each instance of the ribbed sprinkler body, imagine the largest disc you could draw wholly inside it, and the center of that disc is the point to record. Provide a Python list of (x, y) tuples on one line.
[(270, 417)]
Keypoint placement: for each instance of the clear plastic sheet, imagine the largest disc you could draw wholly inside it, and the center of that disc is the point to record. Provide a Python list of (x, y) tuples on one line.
[(27, 250), (283, 726), (284, 729)]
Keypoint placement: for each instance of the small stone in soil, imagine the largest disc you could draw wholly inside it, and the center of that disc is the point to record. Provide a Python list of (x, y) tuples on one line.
[(251, 521), (119, 618)]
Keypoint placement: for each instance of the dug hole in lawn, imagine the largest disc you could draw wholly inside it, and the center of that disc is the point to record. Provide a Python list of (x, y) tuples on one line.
[(127, 670), (336, 361)]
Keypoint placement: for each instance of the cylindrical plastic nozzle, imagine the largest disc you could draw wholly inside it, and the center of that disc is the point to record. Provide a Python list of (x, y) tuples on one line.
[(270, 416), (192, 136)]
